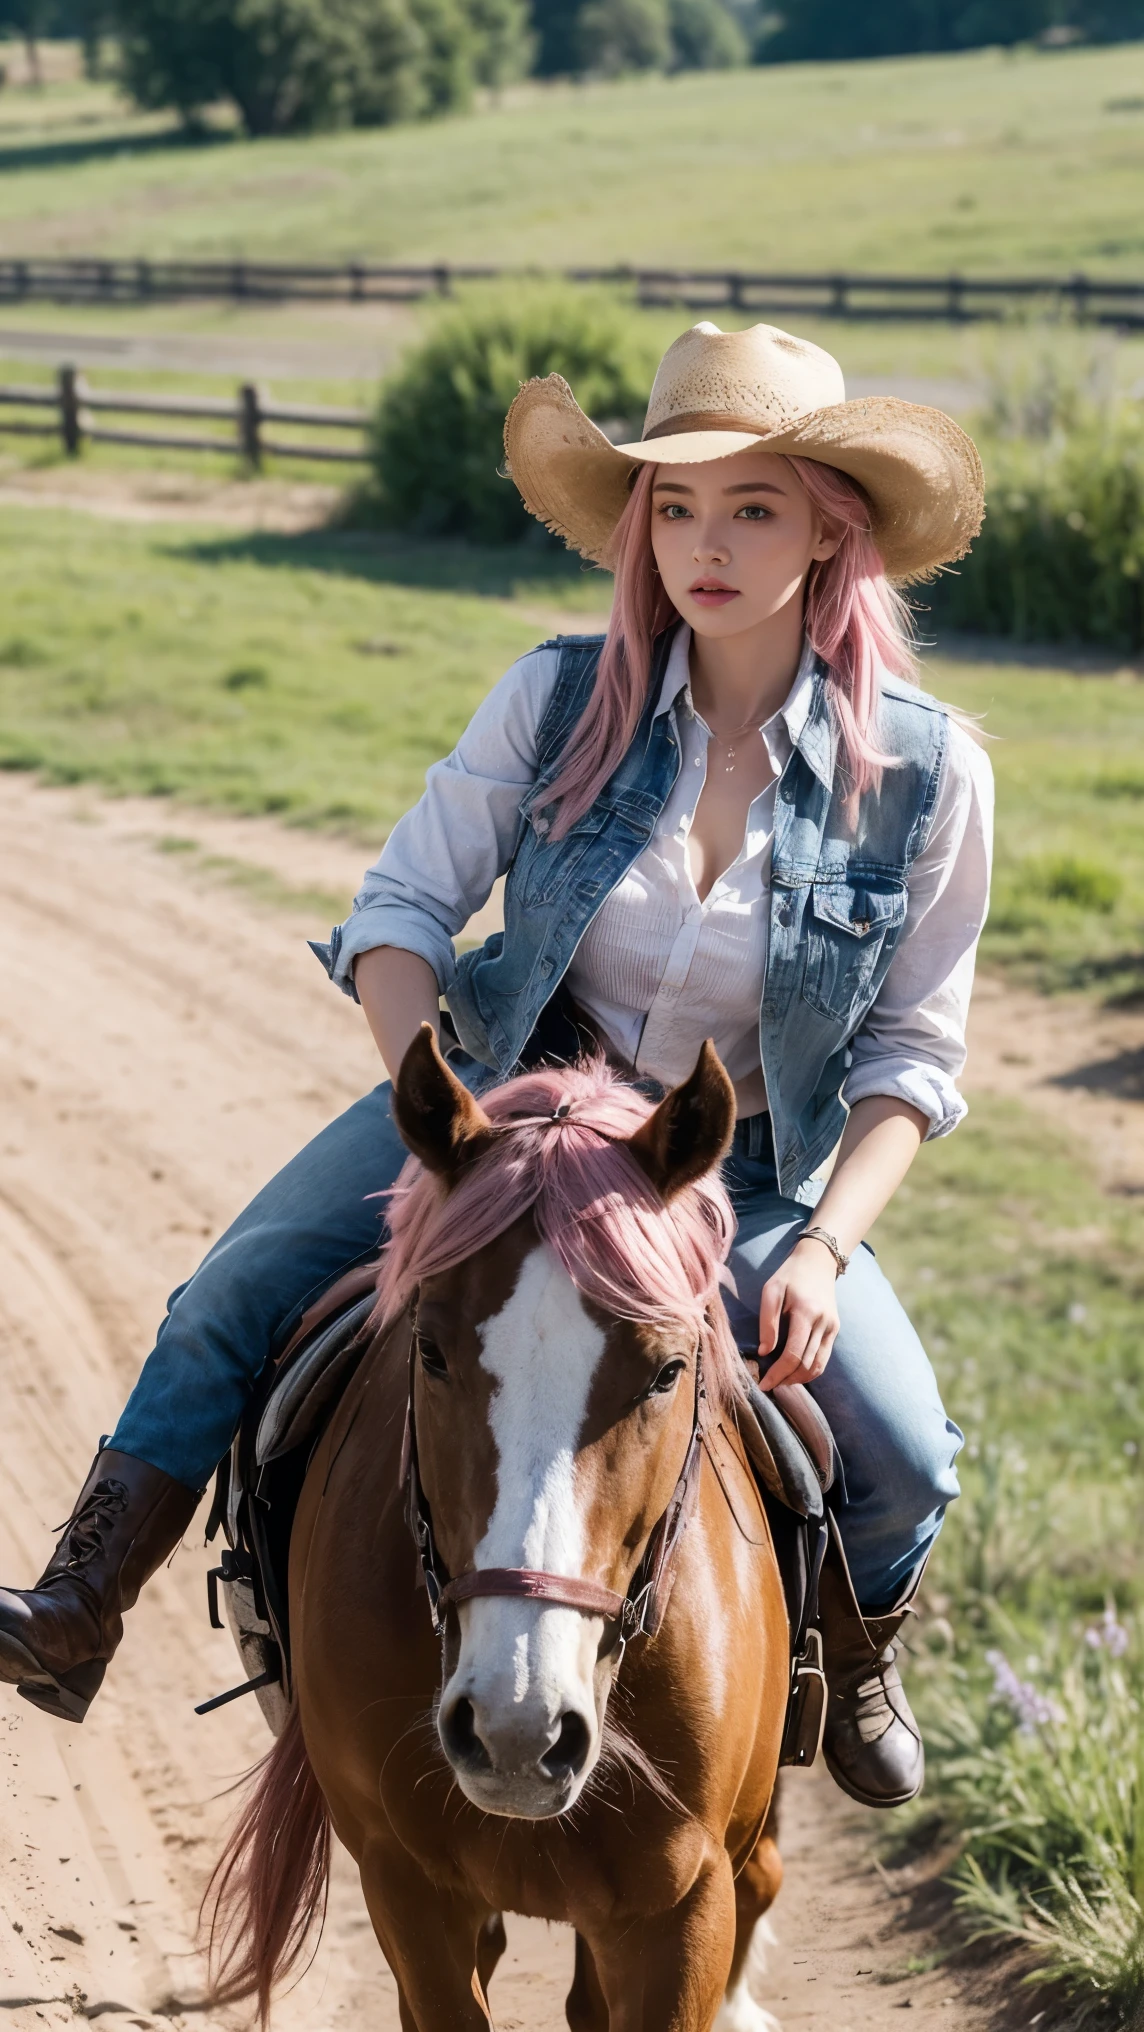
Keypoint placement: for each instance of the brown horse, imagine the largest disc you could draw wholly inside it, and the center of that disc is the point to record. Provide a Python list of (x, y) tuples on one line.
[(551, 1393)]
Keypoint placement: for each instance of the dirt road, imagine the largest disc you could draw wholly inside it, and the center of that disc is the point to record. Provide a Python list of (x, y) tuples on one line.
[(165, 1043)]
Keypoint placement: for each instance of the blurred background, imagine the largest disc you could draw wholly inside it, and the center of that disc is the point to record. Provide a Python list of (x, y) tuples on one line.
[(270, 273)]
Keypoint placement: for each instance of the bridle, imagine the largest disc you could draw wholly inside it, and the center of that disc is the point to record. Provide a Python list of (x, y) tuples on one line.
[(639, 1612)]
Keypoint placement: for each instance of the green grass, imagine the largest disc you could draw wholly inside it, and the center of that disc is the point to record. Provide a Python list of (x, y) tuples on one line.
[(1026, 1286), (314, 677), (1068, 899), (318, 676), (987, 161)]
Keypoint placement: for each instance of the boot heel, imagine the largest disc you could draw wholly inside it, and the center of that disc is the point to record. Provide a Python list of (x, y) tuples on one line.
[(69, 1696)]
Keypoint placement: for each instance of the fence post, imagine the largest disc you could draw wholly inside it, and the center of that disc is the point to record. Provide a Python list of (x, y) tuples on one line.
[(1079, 288), (443, 280), (357, 282), (735, 291), (143, 279), (250, 425), (954, 295), (71, 423), (839, 297)]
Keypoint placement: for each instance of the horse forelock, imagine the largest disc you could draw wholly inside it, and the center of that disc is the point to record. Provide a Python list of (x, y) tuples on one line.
[(625, 1248)]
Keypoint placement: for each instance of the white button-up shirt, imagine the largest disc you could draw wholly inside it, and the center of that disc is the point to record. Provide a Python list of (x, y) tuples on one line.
[(657, 970)]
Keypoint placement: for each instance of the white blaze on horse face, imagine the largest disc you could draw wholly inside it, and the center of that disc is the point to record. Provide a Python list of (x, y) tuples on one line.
[(522, 1663)]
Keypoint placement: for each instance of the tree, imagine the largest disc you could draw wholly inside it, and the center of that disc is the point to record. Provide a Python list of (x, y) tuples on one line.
[(833, 29), (293, 65), (705, 36), (625, 35), (505, 44), (556, 26), (29, 19)]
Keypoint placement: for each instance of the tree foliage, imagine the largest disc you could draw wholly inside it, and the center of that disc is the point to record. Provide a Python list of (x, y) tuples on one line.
[(823, 30), (294, 65), (605, 38)]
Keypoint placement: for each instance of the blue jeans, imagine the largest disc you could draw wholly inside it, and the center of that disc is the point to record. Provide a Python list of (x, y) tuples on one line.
[(320, 1215)]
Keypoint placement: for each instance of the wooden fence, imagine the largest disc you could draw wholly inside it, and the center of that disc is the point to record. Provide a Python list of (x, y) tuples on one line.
[(70, 410), (950, 298)]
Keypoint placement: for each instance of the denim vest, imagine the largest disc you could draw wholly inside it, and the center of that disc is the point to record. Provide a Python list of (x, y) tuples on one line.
[(838, 892)]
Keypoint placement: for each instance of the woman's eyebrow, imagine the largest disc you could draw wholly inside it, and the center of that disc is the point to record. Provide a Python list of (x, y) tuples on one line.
[(755, 487)]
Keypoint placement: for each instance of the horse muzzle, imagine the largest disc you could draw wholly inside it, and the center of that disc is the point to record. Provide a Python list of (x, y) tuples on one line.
[(522, 1736)]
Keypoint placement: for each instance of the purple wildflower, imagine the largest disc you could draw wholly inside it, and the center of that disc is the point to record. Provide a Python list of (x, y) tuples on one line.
[(1033, 1709), (1109, 1634)]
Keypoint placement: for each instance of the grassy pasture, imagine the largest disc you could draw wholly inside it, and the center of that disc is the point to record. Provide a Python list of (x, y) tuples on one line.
[(993, 161), (317, 676)]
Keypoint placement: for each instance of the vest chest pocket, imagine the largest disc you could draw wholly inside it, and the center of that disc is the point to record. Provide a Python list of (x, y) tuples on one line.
[(845, 932), (541, 866)]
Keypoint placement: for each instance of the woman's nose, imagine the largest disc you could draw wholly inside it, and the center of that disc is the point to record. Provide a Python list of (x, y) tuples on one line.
[(710, 549)]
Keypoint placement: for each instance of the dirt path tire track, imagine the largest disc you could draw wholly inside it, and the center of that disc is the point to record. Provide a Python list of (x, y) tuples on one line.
[(164, 1046)]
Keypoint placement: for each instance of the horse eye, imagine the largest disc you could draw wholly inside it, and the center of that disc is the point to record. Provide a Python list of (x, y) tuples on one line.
[(432, 1360), (667, 1379)]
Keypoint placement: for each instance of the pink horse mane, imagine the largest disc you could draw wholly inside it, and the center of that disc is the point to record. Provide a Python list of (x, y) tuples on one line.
[(623, 1246)]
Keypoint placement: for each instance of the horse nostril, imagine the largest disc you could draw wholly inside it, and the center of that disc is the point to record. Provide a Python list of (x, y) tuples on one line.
[(459, 1734), (569, 1753)]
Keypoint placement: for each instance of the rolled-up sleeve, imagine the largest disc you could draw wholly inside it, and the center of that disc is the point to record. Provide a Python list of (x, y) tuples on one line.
[(912, 1043), (441, 860)]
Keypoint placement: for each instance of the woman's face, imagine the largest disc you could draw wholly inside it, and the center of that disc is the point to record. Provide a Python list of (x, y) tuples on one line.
[(734, 539)]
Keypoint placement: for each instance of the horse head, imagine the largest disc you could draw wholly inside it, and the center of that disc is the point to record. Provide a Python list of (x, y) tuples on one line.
[(561, 1248)]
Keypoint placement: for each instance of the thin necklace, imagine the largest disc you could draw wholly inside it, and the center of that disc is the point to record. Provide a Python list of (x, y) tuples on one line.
[(729, 742)]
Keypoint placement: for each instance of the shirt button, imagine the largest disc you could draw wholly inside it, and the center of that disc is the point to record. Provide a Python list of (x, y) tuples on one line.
[(786, 914), (546, 967), (699, 761)]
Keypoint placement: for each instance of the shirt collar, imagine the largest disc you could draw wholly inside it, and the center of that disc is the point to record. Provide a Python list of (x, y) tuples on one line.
[(806, 727)]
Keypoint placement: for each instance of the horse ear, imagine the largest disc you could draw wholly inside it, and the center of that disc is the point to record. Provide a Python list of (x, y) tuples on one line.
[(691, 1130), (438, 1118)]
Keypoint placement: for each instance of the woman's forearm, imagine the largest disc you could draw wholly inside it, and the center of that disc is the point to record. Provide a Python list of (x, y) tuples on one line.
[(881, 1140), (398, 991), (882, 1137)]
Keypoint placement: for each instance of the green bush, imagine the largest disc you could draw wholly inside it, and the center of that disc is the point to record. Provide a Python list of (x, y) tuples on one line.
[(1061, 556), (437, 441)]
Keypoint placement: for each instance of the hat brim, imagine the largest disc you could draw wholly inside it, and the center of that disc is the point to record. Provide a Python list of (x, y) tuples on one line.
[(919, 470)]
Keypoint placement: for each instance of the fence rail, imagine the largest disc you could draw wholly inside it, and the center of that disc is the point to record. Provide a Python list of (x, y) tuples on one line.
[(75, 406), (950, 298)]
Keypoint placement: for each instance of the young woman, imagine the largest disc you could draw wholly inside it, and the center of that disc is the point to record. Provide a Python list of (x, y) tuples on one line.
[(734, 816)]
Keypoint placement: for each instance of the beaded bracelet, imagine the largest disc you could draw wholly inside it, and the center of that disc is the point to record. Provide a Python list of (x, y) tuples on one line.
[(830, 1242)]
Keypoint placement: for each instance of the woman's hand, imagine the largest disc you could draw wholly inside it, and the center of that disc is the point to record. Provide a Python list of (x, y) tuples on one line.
[(802, 1291), (882, 1137)]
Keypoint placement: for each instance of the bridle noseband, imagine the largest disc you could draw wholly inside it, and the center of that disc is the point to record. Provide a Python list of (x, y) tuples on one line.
[(638, 1613)]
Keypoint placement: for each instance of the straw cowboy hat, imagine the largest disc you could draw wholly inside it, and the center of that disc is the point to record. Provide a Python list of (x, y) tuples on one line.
[(716, 393)]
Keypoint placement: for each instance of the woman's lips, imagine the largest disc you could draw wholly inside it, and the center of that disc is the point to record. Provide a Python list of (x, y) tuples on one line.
[(710, 593)]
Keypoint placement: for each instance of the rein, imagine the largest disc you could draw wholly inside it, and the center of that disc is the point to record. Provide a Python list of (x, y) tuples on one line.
[(638, 1613)]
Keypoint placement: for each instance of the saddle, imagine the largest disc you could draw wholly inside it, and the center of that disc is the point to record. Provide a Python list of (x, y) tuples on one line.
[(785, 1439)]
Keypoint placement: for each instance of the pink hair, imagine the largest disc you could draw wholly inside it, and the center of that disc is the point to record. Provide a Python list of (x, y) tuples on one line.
[(622, 1245), (854, 621)]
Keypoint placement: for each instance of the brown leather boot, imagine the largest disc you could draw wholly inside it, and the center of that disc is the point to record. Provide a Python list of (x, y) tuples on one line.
[(56, 1638), (871, 1742)]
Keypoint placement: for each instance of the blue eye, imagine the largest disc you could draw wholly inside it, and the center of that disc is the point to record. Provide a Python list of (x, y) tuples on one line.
[(674, 511), (753, 511)]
